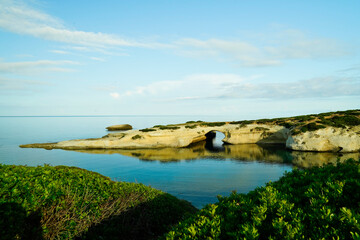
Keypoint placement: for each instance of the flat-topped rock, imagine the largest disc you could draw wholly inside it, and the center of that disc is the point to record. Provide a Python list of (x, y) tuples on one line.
[(120, 127)]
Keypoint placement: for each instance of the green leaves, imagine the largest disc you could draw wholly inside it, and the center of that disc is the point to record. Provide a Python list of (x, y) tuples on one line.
[(318, 203), (68, 201)]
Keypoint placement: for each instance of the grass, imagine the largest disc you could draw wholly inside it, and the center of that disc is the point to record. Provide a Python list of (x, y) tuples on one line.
[(66, 203), (317, 203)]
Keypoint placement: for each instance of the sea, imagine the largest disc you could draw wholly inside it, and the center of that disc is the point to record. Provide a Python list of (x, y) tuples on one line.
[(197, 174)]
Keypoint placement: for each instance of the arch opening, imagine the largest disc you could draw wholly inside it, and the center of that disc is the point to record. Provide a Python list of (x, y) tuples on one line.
[(214, 141)]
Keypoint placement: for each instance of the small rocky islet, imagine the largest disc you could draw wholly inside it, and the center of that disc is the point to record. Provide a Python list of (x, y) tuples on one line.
[(324, 132)]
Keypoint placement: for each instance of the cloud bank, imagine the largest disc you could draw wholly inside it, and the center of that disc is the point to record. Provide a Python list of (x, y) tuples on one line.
[(292, 44), (32, 66), (231, 86), (17, 17), (270, 50)]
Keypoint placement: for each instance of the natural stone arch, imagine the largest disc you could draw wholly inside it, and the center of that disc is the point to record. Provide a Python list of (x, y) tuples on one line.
[(210, 138)]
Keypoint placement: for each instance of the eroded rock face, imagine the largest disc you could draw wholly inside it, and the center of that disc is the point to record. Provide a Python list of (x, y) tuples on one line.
[(181, 137), (328, 139)]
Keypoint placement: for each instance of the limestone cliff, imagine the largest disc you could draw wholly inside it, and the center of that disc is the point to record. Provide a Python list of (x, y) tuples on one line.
[(176, 137), (327, 132), (329, 139)]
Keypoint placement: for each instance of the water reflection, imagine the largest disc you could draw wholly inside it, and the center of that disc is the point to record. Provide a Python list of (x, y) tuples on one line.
[(241, 152)]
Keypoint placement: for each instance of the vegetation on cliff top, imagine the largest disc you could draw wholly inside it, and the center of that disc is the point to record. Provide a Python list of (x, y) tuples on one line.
[(317, 203), (66, 203), (297, 124)]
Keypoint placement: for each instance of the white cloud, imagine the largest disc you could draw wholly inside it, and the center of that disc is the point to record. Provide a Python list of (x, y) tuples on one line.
[(17, 17), (60, 52), (31, 66), (15, 84), (230, 86), (248, 54), (189, 88), (333, 86), (114, 95), (273, 50), (97, 59)]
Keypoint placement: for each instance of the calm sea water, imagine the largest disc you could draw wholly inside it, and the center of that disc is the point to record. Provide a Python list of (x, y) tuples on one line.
[(196, 174)]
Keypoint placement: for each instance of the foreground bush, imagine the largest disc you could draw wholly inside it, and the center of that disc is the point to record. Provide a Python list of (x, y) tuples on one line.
[(66, 203), (317, 203)]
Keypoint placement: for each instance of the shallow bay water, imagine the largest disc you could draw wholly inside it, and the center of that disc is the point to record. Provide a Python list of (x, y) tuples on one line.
[(197, 174)]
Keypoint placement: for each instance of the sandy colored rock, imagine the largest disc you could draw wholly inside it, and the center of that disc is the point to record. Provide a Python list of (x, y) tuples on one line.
[(329, 139), (175, 138), (302, 133), (120, 127)]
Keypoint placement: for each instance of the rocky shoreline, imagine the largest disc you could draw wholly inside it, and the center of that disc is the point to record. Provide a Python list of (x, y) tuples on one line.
[(302, 133)]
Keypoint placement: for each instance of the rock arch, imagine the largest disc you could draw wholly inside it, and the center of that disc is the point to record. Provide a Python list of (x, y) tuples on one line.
[(212, 141)]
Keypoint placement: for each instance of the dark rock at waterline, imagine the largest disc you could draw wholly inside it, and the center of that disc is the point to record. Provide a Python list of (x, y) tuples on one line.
[(119, 127)]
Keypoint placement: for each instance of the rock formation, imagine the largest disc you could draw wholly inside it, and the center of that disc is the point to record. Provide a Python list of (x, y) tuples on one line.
[(120, 127), (331, 132)]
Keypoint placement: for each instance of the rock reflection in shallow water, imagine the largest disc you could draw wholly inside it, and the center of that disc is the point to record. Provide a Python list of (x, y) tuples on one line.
[(241, 152)]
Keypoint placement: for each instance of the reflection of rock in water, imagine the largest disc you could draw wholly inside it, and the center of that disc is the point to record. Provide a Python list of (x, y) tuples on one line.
[(311, 159), (240, 152)]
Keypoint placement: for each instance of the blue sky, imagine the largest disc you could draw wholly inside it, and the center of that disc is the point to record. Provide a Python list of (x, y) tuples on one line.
[(240, 59)]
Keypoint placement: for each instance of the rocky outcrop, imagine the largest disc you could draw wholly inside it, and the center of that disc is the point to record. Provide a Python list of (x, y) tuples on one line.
[(120, 127), (328, 132), (329, 139), (176, 137)]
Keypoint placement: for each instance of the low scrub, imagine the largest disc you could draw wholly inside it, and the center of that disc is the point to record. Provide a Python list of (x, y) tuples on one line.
[(212, 124), (341, 121), (317, 203), (66, 203), (137, 136), (147, 130), (311, 127), (167, 127)]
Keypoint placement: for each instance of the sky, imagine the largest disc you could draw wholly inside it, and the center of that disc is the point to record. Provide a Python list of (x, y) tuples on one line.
[(242, 59)]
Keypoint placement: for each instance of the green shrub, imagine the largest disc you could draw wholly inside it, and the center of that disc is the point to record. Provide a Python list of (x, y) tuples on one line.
[(317, 203), (311, 127), (66, 202), (147, 130), (191, 126), (167, 127), (137, 136), (263, 121), (341, 121), (304, 118), (285, 124), (199, 121), (259, 129), (245, 122), (213, 124)]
